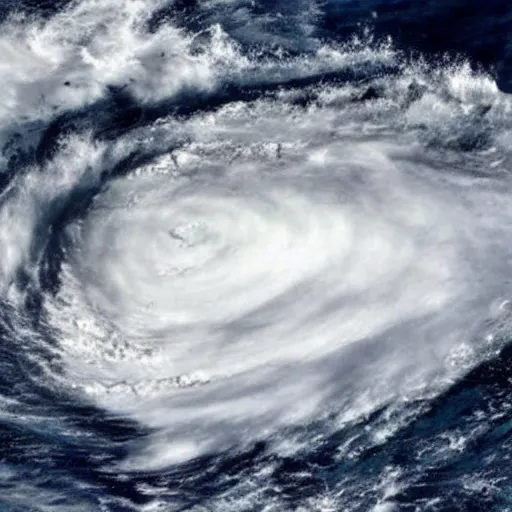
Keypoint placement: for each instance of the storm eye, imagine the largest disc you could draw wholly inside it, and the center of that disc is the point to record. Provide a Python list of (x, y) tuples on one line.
[(190, 234)]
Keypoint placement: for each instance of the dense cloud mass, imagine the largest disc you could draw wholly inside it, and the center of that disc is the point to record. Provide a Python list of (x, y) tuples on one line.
[(249, 260)]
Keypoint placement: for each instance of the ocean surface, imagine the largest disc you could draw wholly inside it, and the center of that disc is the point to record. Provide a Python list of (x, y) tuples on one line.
[(255, 256)]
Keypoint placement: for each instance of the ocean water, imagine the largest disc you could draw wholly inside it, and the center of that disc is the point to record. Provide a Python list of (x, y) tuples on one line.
[(255, 256)]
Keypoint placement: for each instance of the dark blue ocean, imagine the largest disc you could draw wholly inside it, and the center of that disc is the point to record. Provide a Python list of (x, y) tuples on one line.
[(255, 256)]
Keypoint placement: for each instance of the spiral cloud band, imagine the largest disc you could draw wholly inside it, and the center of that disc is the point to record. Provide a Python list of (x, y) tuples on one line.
[(217, 238)]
